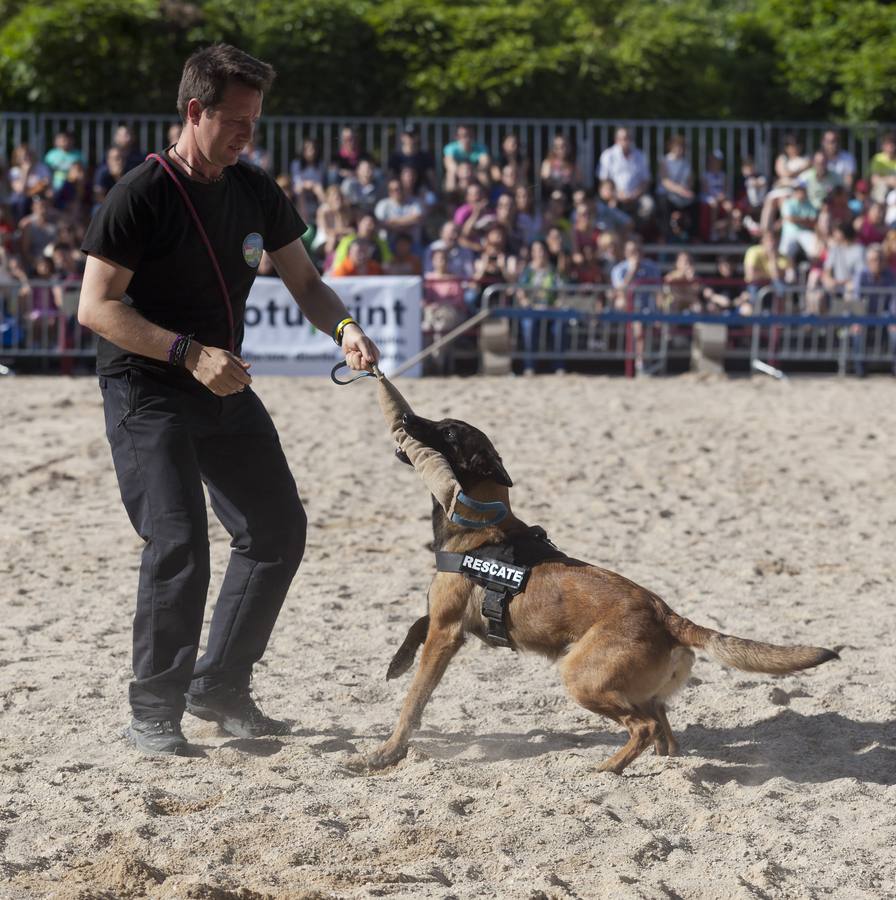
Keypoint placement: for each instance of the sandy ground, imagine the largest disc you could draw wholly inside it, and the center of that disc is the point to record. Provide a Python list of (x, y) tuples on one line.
[(762, 508)]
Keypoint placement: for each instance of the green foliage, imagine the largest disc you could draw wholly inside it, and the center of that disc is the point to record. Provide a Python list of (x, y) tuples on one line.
[(836, 55), (577, 58), (90, 54)]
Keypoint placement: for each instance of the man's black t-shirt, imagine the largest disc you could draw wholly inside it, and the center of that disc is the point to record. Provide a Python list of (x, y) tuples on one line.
[(144, 225)]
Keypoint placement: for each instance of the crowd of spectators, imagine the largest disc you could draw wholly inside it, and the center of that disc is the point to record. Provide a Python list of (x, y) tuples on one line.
[(478, 219)]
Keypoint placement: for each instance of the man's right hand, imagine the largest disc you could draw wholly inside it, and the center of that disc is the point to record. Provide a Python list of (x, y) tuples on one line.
[(222, 372)]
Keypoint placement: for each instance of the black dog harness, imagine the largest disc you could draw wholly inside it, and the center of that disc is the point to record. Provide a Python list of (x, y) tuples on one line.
[(502, 569)]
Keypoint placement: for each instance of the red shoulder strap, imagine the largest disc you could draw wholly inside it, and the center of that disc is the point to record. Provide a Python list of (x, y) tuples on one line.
[(208, 246)]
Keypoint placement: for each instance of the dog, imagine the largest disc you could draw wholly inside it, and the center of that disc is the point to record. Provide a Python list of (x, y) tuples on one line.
[(622, 651)]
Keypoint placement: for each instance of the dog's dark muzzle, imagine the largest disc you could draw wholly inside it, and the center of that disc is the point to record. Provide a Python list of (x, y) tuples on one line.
[(420, 429)]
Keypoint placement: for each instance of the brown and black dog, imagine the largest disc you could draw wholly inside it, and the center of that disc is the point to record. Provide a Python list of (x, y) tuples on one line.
[(622, 651)]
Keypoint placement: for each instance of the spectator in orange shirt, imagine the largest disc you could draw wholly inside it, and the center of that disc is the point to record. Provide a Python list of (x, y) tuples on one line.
[(358, 261)]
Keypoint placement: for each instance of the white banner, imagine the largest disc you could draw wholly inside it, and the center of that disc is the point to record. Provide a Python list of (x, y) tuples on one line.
[(279, 340)]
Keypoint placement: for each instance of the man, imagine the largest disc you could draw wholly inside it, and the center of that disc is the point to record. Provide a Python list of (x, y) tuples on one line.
[(358, 261), (463, 149), (799, 216), (635, 270), (410, 155), (626, 166), (61, 158), (820, 180), (398, 213), (883, 168), (130, 152), (367, 230), (37, 231), (608, 215), (458, 260), (842, 162), (362, 189), (108, 173), (875, 287), (763, 266), (178, 403)]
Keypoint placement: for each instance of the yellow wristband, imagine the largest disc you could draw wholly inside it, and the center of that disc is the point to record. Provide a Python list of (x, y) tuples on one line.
[(337, 331)]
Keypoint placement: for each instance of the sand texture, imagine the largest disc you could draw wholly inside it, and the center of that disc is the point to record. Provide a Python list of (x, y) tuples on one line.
[(761, 508)]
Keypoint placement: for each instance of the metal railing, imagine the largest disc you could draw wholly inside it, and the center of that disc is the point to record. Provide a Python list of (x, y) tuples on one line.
[(590, 323), (558, 326), (39, 323), (281, 137)]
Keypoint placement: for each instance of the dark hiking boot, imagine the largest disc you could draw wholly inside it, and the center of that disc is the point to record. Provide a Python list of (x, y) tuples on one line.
[(162, 738), (235, 711)]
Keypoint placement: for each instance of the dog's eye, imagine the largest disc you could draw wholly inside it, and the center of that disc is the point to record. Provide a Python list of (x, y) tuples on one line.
[(450, 435)]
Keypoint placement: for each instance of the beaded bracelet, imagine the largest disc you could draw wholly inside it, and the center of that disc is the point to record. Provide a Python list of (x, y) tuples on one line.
[(177, 352)]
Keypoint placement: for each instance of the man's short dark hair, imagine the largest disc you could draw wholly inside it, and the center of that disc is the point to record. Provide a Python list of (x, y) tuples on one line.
[(208, 72)]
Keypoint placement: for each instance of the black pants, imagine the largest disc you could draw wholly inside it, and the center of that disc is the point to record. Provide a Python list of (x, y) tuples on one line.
[(166, 441)]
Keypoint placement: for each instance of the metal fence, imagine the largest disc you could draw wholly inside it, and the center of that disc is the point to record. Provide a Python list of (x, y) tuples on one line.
[(15, 129), (281, 137), (39, 323), (576, 324), (559, 327)]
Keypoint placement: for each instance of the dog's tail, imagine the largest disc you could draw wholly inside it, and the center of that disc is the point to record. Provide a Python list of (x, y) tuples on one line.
[(751, 656), (404, 656)]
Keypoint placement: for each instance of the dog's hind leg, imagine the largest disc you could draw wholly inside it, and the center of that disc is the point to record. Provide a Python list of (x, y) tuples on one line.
[(666, 744), (618, 680), (440, 646)]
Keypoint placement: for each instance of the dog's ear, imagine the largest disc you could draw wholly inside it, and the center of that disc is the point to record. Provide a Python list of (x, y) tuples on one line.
[(489, 465)]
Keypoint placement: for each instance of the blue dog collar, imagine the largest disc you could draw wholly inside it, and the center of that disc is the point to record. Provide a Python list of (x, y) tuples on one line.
[(491, 506)]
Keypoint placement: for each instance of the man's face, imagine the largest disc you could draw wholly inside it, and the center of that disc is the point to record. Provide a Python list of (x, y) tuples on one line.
[(365, 172), (820, 163), (623, 138), (632, 250), (224, 131), (830, 143), (463, 137), (875, 262), (408, 144), (449, 234)]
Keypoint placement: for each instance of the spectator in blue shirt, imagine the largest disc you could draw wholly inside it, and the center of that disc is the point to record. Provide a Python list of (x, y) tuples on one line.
[(634, 269), (871, 285), (464, 149), (61, 158)]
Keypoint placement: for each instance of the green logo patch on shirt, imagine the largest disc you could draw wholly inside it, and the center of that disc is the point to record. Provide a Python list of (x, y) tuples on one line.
[(252, 249)]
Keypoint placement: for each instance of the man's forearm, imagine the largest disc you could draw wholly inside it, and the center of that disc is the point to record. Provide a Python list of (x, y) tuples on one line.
[(125, 327), (322, 306)]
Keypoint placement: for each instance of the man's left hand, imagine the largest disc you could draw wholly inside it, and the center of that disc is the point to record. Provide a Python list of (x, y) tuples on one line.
[(360, 351)]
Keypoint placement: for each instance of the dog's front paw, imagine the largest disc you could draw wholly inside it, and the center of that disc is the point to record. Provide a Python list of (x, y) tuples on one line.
[(385, 756)]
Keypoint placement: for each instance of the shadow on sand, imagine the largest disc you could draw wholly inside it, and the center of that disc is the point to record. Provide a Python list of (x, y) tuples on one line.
[(802, 749)]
